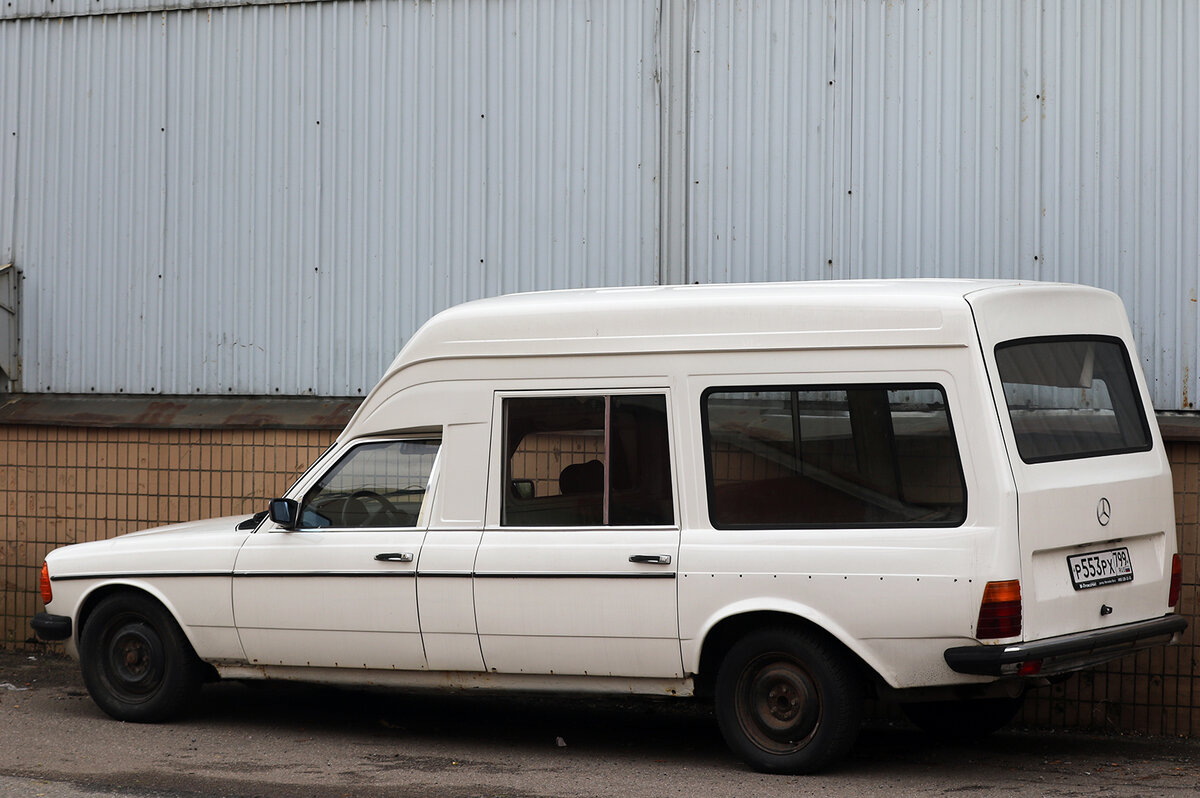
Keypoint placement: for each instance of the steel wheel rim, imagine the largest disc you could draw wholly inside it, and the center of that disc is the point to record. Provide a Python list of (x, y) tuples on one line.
[(778, 704), (133, 659)]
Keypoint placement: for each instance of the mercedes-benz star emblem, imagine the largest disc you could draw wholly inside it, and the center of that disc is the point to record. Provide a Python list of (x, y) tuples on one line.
[(1103, 512)]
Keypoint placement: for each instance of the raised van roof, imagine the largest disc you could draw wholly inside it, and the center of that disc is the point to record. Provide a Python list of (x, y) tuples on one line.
[(713, 317), (688, 317)]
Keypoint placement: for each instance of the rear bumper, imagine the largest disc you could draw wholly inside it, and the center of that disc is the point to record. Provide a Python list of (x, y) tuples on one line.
[(1064, 654), (51, 627)]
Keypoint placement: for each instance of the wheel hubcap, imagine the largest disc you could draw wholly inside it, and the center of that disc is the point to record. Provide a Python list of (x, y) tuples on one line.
[(779, 707), (783, 702), (135, 660), (135, 655)]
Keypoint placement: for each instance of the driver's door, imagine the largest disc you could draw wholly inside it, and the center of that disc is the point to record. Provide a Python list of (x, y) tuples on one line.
[(340, 590)]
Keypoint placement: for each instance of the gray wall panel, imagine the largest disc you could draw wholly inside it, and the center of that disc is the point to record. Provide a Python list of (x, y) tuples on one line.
[(269, 199), (10, 59), (762, 170), (1038, 139), (52, 9)]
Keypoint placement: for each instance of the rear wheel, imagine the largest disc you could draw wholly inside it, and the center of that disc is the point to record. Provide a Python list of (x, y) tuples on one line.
[(967, 719), (788, 702), (137, 664)]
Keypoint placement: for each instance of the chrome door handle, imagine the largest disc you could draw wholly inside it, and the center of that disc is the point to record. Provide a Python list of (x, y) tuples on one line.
[(395, 556), (655, 559)]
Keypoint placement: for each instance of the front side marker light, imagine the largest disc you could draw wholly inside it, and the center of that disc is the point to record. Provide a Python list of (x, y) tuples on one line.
[(44, 584), (1000, 611), (1176, 582)]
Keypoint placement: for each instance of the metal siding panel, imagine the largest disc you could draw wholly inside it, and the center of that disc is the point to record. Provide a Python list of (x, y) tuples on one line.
[(10, 103), (51, 9), (240, 225), (761, 177), (1038, 139), (473, 147), (1119, 173), (944, 140), (1054, 152), (89, 183), (270, 199)]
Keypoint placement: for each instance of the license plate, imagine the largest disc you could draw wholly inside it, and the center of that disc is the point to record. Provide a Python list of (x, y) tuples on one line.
[(1099, 568)]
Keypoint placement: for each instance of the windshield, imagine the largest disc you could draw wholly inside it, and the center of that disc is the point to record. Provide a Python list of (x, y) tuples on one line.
[(1071, 397)]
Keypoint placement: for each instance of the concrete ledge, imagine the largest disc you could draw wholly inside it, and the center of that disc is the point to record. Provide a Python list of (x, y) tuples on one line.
[(177, 412), (1181, 426), (273, 412)]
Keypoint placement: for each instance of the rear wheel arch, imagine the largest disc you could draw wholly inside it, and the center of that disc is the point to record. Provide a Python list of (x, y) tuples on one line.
[(725, 634), (788, 698)]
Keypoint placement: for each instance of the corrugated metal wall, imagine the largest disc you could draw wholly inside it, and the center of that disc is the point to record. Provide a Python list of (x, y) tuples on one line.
[(1039, 139), (268, 199), (763, 154), (20, 9)]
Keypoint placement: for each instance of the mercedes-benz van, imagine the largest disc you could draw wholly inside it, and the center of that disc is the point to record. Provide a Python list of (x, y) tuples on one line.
[(785, 497)]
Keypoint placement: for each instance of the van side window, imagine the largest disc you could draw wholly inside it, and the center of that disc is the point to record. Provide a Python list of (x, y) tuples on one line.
[(1071, 397), (587, 461), (831, 456), (374, 485)]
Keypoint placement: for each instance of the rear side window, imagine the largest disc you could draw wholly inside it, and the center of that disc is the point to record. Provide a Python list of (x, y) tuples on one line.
[(830, 456), (589, 460), (1071, 397)]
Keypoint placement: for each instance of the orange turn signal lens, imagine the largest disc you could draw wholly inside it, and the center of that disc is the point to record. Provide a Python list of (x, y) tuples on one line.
[(1176, 582), (1000, 610), (44, 584)]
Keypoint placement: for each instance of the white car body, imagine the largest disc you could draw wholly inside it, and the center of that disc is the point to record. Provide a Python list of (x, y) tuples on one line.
[(465, 599)]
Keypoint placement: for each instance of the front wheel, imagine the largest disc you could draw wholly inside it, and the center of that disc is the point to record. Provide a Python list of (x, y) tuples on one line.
[(787, 701), (137, 664)]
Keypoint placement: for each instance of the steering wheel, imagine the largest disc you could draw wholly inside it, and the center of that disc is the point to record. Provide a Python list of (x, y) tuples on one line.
[(384, 510)]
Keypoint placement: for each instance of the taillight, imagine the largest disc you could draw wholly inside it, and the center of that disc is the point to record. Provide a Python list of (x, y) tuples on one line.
[(1000, 610), (44, 584), (1176, 581)]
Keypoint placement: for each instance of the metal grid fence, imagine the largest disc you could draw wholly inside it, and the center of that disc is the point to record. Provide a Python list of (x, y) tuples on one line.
[(62, 485), (73, 484)]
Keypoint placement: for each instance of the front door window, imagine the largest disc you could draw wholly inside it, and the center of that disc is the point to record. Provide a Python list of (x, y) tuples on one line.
[(379, 484)]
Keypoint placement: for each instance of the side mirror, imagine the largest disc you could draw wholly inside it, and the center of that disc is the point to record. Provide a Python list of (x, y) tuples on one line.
[(285, 512)]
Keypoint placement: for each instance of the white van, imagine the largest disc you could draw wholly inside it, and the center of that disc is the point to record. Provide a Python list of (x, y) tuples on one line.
[(787, 497)]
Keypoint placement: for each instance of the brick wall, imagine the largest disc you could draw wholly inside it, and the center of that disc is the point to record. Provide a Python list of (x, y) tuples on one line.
[(69, 484), (72, 484), (1152, 691)]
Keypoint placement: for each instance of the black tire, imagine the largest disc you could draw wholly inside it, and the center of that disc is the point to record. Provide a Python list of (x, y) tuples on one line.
[(137, 664), (967, 719), (788, 702)]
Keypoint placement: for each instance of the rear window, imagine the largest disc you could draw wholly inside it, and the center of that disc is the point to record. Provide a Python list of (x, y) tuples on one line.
[(831, 456), (1071, 397)]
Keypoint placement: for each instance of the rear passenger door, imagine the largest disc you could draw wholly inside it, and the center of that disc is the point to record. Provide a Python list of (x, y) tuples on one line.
[(576, 570)]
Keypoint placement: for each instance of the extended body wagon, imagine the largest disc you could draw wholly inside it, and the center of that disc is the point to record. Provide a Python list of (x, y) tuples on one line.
[(785, 497)]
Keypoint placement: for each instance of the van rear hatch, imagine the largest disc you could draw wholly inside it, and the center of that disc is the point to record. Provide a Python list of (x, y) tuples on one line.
[(1095, 505)]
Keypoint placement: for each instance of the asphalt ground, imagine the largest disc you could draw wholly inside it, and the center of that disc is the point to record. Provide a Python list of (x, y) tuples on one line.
[(271, 740)]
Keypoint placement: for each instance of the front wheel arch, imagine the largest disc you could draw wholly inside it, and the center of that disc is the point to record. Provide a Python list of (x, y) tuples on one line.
[(89, 602), (137, 663)]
